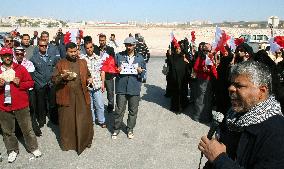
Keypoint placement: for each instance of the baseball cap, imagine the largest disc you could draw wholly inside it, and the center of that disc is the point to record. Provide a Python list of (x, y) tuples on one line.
[(20, 49), (6, 50), (130, 40)]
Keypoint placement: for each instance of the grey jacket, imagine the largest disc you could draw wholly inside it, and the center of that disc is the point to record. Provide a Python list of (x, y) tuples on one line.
[(129, 84)]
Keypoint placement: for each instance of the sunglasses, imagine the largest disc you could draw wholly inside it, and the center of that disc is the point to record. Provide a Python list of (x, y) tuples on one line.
[(6, 55), (20, 54), (277, 53), (42, 46), (7, 41)]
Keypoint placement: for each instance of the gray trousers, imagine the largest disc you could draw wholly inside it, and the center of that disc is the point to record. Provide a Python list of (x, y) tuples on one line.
[(7, 123), (133, 103), (203, 101)]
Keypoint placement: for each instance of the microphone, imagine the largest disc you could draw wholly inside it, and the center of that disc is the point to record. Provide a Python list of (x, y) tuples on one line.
[(217, 119)]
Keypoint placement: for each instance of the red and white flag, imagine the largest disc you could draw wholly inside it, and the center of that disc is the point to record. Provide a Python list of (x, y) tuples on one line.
[(174, 40), (71, 35), (276, 43), (221, 40)]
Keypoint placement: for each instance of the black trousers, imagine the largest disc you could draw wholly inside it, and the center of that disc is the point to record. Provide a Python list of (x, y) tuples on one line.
[(109, 84), (46, 105), (32, 100)]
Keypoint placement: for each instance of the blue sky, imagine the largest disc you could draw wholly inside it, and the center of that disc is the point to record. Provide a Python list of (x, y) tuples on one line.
[(140, 10)]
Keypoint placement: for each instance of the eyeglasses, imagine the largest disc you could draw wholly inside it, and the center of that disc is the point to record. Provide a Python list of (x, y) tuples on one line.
[(7, 41), (42, 46), (277, 53)]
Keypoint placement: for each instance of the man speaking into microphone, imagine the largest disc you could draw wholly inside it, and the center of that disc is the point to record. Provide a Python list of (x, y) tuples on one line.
[(252, 133)]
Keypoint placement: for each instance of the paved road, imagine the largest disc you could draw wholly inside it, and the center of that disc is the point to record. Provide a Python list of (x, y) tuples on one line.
[(163, 140)]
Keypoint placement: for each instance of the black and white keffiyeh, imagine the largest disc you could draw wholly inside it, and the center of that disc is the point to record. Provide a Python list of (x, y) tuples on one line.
[(259, 113)]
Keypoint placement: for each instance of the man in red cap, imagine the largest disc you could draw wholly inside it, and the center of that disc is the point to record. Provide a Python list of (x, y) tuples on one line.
[(15, 82)]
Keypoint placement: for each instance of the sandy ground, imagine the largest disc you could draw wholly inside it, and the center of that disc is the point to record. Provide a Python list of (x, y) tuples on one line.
[(163, 140), (157, 39)]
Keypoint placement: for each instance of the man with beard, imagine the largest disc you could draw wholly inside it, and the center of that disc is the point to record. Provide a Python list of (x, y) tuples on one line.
[(75, 119), (15, 81), (252, 135), (128, 87)]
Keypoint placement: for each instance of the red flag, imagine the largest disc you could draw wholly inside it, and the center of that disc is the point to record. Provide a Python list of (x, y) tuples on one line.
[(109, 65), (239, 41), (193, 36)]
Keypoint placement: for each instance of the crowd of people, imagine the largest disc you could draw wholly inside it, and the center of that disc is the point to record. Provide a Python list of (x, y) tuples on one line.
[(64, 80), (246, 87)]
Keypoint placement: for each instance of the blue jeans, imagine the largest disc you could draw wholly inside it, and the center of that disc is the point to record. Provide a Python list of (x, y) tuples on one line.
[(97, 105)]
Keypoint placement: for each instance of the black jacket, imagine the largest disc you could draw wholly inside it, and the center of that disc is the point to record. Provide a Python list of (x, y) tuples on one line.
[(260, 146), (109, 50)]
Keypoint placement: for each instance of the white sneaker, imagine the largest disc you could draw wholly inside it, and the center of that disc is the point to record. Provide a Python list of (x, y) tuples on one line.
[(114, 136), (37, 153), (130, 135), (12, 156)]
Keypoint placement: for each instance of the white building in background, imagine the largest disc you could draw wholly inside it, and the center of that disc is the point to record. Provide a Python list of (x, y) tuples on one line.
[(76, 24), (28, 21), (199, 23), (273, 21), (111, 24)]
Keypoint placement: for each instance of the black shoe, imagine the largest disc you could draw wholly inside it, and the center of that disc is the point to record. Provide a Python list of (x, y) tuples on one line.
[(103, 125), (178, 112), (167, 95), (38, 132)]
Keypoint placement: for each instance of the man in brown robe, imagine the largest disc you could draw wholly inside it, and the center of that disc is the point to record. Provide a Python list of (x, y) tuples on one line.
[(75, 119)]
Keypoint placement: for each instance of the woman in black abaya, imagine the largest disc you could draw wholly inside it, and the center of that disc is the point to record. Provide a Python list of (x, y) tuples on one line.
[(179, 79)]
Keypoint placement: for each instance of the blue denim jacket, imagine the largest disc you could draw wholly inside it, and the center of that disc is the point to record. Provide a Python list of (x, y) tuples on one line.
[(129, 84), (43, 70)]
